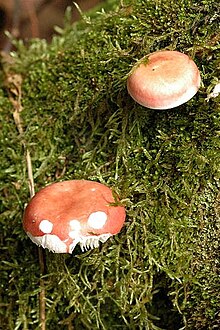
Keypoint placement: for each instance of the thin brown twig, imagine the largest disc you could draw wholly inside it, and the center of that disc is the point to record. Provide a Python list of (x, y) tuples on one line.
[(42, 295), (30, 173), (13, 84)]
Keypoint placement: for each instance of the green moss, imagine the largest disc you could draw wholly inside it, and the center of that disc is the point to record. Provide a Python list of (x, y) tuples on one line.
[(162, 269)]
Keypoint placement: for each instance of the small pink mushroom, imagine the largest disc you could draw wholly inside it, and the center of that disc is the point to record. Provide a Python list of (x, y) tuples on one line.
[(64, 214), (164, 80)]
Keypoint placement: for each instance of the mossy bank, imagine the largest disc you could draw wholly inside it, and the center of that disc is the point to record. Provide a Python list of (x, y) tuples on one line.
[(162, 269)]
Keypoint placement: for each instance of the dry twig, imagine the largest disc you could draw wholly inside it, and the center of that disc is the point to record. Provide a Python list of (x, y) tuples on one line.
[(13, 85)]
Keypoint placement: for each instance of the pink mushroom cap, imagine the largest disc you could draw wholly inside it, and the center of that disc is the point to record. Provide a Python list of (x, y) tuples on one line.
[(164, 80), (66, 213)]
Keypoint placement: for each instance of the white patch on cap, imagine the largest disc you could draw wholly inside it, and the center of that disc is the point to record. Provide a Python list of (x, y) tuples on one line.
[(76, 227), (46, 226), (51, 242), (97, 219)]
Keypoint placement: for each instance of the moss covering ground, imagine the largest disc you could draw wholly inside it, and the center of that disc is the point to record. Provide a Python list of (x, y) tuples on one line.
[(162, 270)]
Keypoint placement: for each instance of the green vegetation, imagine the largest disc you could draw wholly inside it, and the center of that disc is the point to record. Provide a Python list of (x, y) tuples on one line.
[(162, 270)]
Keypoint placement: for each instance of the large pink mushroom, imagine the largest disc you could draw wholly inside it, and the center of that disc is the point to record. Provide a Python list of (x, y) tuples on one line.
[(164, 80), (66, 213)]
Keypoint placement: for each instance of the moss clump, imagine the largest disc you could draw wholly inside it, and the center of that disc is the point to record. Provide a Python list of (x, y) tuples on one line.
[(162, 270)]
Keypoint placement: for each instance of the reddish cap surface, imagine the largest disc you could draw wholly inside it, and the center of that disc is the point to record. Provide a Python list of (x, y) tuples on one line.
[(66, 213), (166, 80)]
